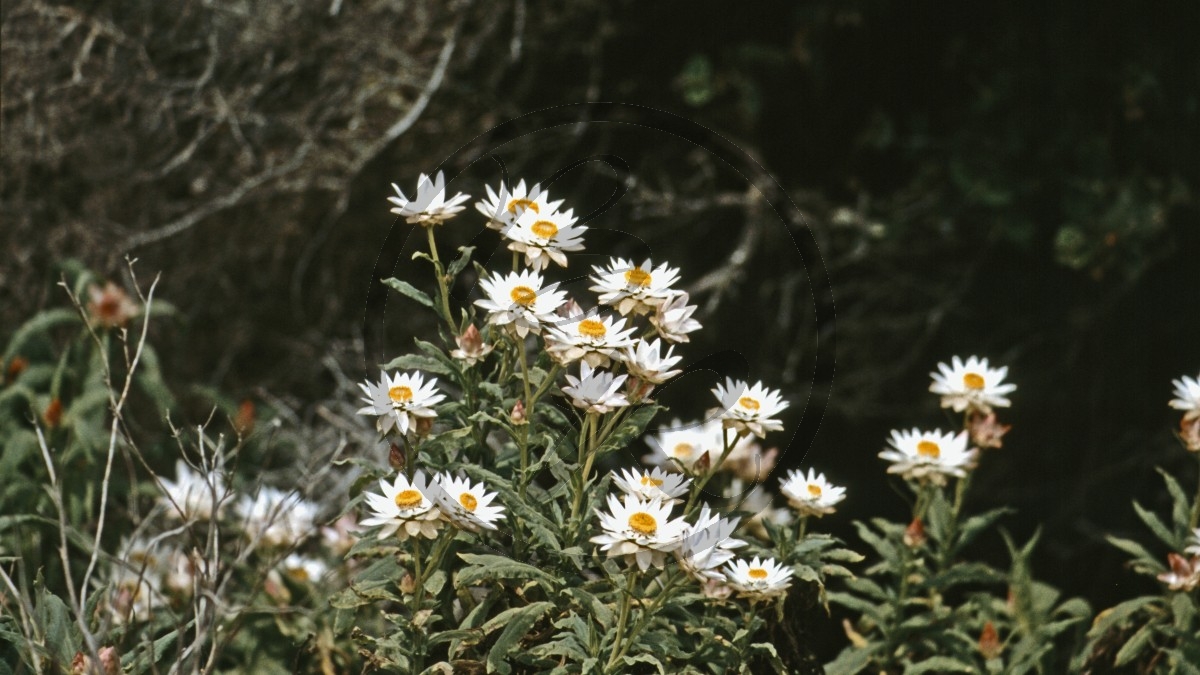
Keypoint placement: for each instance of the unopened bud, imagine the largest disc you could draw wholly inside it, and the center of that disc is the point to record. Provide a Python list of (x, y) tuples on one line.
[(110, 661), (989, 642), (517, 416), (1189, 433), (15, 368), (914, 534), (470, 346), (53, 414), (408, 584), (423, 426), (702, 465), (243, 422), (396, 456), (985, 431)]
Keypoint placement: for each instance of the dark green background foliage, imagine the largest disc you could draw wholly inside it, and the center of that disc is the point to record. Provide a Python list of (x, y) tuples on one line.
[(1017, 180)]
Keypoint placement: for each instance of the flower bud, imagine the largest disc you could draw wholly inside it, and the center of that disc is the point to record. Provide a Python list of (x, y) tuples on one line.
[(470, 346), (396, 457), (408, 584), (914, 534), (1189, 433), (989, 642), (243, 422), (15, 368), (53, 414), (985, 431), (423, 426), (517, 416)]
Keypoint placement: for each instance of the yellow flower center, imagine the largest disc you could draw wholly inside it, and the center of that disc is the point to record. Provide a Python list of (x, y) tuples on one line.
[(406, 499), (592, 328), (515, 204), (523, 295), (814, 490), (973, 381), (643, 522), (544, 229), (298, 573), (749, 403), (683, 450), (637, 277), (401, 394), (468, 501), (929, 449), (757, 573), (652, 482)]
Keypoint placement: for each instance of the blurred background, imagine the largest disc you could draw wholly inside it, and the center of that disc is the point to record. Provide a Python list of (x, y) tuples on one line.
[(1015, 180)]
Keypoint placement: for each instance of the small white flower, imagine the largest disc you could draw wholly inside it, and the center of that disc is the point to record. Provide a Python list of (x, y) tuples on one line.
[(641, 532), (467, 506), (304, 569), (595, 391), (649, 484), (673, 318), (708, 545), (399, 399), (646, 361), (543, 237), (405, 508), (971, 385), (502, 208), (277, 518), (430, 206), (679, 445), (749, 408), (192, 494), (1187, 391), (521, 300), (634, 288), (929, 454), (760, 578), (591, 338), (811, 494)]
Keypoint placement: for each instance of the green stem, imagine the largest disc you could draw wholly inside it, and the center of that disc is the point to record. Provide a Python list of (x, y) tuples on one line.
[(1194, 520), (418, 602), (586, 457), (443, 292), (618, 651), (550, 377), (803, 528)]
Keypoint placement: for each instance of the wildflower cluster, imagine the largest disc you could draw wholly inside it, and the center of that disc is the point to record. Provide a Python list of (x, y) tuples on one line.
[(508, 534)]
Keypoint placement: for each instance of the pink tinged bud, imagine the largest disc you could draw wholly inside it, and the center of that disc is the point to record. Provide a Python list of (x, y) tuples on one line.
[(518, 413), (914, 534), (470, 341), (989, 642)]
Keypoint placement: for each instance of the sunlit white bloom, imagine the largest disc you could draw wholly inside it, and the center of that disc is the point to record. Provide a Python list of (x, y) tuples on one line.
[(405, 508), (679, 445), (136, 580), (749, 409), (521, 300), (1194, 547), (304, 569), (399, 399), (502, 208), (641, 532), (467, 506), (708, 545), (543, 237), (430, 207), (192, 494), (594, 339), (1187, 392), (929, 455), (811, 494), (634, 288), (646, 361), (595, 391), (673, 318), (760, 578), (971, 385), (1184, 574), (654, 483), (277, 518)]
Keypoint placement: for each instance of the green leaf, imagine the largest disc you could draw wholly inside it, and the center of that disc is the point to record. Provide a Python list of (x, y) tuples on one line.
[(517, 622), (1136, 550), (419, 362), (939, 664), (1134, 645), (1156, 526), (460, 263), (40, 323), (54, 618), (409, 291), (483, 567), (1118, 614)]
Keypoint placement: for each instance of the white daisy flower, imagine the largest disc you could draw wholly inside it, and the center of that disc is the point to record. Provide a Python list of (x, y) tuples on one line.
[(595, 391), (594, 339), (749, 409), (399, 399), (521, 300), (929, 455), (641, 532), (634, 288), (673, 318), (467, 506), (502, 208), (1194, 548), (646, 362), (759, 578), (811, 494), (971, 385), (405, 508), (708, 545), (192, 494), (679, 445), (654, 483), (304, 569), (543, 237), (430, 207), (277, 518), (1187, 391)]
